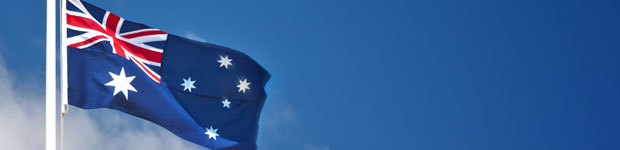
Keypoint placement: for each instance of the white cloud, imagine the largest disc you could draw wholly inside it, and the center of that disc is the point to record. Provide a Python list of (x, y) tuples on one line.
[(279, 121), (22, 123), (21, 113), (194, 36), (283, 116), (278, 116)]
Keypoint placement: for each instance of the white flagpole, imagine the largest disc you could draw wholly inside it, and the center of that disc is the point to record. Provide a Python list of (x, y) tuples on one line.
[(63, 59), (64, 106), (50, 76)]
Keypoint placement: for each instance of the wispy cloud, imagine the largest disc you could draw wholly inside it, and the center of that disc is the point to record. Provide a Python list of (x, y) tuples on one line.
[(22, 123), (284, 116), (280, 122), (21, 113), (278, 116), (194, 36)]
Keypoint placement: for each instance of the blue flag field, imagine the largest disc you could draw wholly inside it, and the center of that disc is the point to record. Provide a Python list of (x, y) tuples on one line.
[(204, 93)]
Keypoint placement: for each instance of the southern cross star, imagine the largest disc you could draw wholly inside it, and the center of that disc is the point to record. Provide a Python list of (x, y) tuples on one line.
[(212, 133), (226, 103), (225, 62), (243, 85), (121, 83), (188, 84)]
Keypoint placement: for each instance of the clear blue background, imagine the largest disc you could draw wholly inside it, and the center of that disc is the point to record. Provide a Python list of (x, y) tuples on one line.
[(390, 74)]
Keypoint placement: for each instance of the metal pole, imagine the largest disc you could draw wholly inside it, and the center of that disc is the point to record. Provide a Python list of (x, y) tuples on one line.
[(62, 122), (50, 76), (64, 106)]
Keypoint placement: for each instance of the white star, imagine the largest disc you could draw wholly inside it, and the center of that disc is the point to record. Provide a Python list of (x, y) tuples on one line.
[(188, 84), (121, 83), (224, 61), (243, 85), (226, 103), (212, 133)]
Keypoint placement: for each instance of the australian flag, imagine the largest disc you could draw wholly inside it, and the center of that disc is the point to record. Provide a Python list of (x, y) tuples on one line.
[(204, 93)]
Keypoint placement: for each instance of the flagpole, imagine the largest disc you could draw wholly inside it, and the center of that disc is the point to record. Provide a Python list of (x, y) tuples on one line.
[(64, 106), (63, 59), (50, 76)]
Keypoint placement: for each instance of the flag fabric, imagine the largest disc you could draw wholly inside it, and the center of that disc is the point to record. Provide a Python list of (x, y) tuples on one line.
[(204, 93)]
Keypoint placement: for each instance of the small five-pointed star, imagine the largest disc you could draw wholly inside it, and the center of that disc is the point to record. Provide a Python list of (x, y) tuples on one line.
[(188, 84), (226, 103), (225, 62), (243, 85), (212, 133), (122, 83)]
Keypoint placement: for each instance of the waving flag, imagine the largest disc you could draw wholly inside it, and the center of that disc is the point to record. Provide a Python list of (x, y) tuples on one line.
[(204, 93)]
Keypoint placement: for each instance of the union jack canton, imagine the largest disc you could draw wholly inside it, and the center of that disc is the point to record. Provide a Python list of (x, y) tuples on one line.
[(136, 42)]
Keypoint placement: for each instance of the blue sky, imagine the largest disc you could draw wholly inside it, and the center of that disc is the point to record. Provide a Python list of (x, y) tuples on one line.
[(370, 74)]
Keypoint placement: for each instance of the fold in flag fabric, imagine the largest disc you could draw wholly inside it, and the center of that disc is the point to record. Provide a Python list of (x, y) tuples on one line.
[(204, 93)]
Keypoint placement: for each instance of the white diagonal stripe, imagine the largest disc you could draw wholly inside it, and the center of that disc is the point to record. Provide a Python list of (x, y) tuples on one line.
[(81, 37), (149, 38), (92, 43), (136, 31), (147, 61), (77, 14)]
